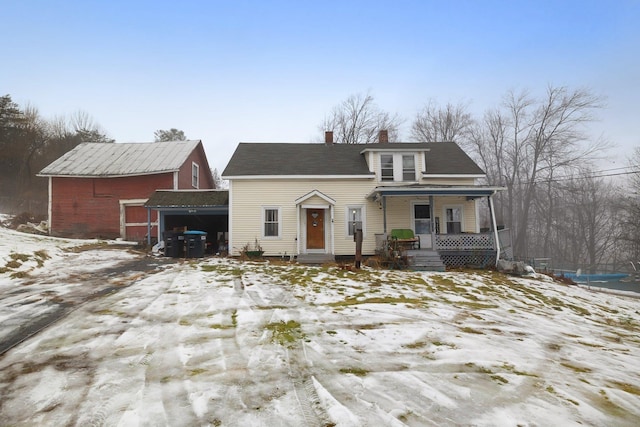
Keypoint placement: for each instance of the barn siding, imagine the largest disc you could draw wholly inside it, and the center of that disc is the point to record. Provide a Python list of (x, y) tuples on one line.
[(90, 207), (184, 175)]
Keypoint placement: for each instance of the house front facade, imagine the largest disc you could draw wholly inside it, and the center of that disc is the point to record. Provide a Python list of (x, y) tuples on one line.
[(303, 199), (100, 189)]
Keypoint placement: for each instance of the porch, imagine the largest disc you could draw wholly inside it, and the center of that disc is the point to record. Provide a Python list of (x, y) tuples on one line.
[(446, 223), (449, 251)]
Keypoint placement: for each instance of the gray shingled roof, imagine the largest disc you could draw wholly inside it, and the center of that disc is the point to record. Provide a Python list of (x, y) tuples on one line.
[(286, 159), (114, 159), (187, 199)]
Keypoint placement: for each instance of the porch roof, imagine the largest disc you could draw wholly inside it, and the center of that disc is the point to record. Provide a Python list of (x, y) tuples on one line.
[(472, 192)]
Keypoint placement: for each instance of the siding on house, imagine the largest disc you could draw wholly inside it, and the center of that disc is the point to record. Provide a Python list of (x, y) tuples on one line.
[(90, 207), (250, 196), (98, 190)]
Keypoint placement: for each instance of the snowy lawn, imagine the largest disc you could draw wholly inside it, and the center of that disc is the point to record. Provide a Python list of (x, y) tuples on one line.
[(227, 343)]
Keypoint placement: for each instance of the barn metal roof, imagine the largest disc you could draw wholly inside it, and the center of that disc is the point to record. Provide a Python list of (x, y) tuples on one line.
[(92, 159)]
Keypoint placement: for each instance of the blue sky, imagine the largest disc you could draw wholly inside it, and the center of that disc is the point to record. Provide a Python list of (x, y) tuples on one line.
[(234, 71)]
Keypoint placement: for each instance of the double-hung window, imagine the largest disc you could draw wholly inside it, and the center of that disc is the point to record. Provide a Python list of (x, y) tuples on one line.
[(398, 167), (195, 175), (386, 167), (271, 222), (408, 167), (354, 219)]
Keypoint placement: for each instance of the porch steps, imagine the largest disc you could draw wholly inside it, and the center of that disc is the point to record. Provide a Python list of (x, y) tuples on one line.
[(317, 259), (424, 260)]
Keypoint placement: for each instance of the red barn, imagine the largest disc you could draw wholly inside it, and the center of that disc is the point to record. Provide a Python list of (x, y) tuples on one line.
[(99, 189)]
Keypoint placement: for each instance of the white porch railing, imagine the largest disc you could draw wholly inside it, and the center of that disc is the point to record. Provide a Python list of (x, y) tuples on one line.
[(472, 241)]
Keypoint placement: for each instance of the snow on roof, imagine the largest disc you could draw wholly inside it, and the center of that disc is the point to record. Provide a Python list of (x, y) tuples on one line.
[(114, 159)]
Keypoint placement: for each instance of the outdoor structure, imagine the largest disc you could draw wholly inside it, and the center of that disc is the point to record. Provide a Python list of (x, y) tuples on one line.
[(203, 210), (100, 189), (307, 200)]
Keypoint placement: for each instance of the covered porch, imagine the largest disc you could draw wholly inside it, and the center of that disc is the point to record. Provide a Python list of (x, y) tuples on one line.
[(445, 220)]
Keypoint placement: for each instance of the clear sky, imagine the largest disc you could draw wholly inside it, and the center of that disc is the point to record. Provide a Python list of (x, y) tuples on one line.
[(244, 71)]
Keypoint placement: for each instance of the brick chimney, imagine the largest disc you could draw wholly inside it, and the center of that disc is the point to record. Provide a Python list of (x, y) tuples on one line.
[(383, 136), (328, 137)]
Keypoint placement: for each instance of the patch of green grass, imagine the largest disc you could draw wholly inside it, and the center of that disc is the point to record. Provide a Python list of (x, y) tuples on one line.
[(354, 371), (184, 322), (332, 332), (234, 318), (470, 330), (19, 275), (579, 310), (219, 326), (356, 300), (19, 257), (286, 333), (575, 368), (415, 345), (13, 264), (498, 378), (197, 371), (626, 387), (476, 305)]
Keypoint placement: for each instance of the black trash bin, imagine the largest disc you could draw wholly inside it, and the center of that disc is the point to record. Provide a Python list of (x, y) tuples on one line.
[(196, 241), (173, 244)]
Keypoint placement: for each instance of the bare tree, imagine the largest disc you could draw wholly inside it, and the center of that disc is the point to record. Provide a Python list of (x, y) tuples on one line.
[(358, 120), (531, 142), (172, 134), (453, 123)]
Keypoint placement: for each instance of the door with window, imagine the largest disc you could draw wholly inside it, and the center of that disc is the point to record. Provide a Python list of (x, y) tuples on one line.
[(315, 229), (421, 217)]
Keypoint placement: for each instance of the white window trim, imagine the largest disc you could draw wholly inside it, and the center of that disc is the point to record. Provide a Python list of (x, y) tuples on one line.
[(262, 223), (363, 215), (195, 178), (398, 167), (443, 228), (394, 163), (415, 167)]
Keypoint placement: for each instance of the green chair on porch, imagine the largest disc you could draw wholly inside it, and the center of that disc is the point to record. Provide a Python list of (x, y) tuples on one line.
[(406, 238)]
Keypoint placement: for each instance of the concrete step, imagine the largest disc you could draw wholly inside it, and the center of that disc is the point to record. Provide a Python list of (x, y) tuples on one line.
[(425, 260), (318, 259)]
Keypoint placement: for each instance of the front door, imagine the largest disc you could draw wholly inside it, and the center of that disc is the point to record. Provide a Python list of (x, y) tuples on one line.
[(315, 228), (422, 223)]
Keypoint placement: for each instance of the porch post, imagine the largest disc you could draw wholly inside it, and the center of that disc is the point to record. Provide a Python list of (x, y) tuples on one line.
[(433, 224), (384, 214), (495, 227), (149, 227), (298, 228)]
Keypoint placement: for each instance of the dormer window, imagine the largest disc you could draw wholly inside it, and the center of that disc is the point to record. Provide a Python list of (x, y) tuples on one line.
[(408, 168), (386, 167), (398, 167)]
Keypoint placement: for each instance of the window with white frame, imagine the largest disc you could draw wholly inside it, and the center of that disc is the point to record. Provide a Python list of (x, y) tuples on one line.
[(195, 175), (271, 222), (386, 167), (354, 219), (408, 167), (453, 216), (397, 167)]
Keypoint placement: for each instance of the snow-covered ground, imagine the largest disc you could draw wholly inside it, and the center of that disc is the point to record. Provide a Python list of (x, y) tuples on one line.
[(227, 343)]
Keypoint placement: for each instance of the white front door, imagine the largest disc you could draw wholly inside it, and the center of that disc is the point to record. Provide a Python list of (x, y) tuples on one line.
[(421, 221)]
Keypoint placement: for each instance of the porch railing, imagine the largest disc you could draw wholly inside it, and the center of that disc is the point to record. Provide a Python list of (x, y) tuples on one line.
[(464, 242), (471, 241)]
